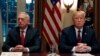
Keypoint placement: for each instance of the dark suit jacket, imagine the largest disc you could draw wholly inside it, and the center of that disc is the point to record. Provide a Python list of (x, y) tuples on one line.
[(32, 39), (68, 39)]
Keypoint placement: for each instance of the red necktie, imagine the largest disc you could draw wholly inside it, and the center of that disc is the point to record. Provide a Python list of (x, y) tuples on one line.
[(79, 37), (22, 37)]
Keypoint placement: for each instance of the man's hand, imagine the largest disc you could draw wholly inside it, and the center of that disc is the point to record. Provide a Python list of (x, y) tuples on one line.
[(82, 47), (19, 48)]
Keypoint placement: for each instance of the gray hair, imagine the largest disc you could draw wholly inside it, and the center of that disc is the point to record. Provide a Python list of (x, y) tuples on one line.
[(26, 15)]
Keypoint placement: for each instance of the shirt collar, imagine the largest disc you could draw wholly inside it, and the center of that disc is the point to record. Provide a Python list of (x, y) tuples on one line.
[(24, 29), (78, 29)]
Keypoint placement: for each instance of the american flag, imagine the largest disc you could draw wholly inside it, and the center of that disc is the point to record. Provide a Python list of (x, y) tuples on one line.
[(52, 21)]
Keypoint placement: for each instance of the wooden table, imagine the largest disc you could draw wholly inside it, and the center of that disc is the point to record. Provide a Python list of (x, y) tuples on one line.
[(45, 54)]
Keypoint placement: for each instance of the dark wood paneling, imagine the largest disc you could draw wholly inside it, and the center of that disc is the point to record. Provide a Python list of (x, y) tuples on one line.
[(39, 12), (97, 18)]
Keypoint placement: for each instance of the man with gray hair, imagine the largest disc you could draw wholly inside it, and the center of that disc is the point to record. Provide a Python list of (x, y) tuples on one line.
[(23, 38)]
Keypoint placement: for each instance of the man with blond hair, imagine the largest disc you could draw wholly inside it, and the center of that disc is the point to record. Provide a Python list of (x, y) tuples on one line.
[(78, 38)]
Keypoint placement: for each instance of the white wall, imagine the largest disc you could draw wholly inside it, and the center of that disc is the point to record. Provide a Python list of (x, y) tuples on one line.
[(67, 17)]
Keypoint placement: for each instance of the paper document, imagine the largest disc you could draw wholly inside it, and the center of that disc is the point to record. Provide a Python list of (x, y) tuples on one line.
[(82, 54), (11, 54)]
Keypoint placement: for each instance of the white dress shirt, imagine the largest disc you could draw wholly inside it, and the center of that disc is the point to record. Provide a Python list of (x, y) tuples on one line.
[(76, 30)]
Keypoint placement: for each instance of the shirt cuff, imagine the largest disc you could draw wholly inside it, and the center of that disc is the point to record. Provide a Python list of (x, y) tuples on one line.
[(89, 49), (28, 49), (10, 49), (73, 49)]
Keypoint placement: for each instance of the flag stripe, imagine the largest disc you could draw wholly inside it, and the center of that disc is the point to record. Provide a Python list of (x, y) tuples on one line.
[(53, 18), (58, 21), (49, 33), (47, 37), (52, 31), (58, 12), (52, 22)]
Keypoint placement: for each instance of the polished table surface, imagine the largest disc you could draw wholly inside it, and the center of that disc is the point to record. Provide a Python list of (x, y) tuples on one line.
[(45, 54)]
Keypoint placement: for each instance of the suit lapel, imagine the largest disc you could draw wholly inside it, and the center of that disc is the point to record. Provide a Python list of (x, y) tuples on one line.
[(74, 34), (27, 37), (17, 35), (84, 35)]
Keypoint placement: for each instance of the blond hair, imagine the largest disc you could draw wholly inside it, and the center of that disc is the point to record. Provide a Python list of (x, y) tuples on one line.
[(82, 13)]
